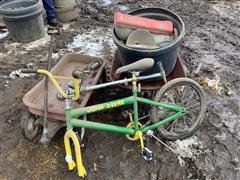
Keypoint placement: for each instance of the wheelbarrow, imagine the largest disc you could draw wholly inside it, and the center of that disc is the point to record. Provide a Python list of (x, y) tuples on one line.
[(34, 99), (177, 72), (148, 88)]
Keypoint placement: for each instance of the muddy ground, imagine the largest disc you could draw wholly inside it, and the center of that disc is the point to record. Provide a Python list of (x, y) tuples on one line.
[(212, 37)]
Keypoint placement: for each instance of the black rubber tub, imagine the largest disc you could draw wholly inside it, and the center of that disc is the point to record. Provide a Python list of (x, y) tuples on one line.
[(23, 19), (167, 55)]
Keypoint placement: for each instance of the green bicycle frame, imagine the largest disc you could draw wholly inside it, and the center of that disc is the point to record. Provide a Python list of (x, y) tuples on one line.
[(72, 115), (134, 130)]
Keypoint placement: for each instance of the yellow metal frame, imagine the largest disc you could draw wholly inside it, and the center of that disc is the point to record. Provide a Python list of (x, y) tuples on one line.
[(58, 87), (71, 164)]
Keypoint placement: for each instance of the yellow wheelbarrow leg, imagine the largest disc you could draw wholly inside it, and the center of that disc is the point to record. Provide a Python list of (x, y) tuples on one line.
[(71, 164)]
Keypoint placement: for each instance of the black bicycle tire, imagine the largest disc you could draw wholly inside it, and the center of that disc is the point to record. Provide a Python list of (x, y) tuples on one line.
[(154, 115)]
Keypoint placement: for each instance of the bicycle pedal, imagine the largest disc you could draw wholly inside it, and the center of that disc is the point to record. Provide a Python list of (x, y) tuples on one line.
[(147, 154)]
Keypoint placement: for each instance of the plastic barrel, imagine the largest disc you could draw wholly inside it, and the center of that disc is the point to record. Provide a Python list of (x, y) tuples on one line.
[(64, 4), (167, 55), (67, 14), (23, 19), (66, 10)]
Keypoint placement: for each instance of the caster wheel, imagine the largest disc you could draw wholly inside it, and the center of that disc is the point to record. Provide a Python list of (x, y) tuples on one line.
[(29, 125)]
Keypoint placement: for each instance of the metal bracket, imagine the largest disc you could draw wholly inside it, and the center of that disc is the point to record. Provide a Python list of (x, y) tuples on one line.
[(162, 72)]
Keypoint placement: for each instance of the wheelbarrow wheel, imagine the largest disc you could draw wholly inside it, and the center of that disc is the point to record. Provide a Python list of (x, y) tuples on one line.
[(186, 93), (29, 125)]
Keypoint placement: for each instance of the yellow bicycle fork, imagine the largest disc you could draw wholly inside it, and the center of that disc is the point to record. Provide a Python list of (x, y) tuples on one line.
[(80, 168), (71, 164)]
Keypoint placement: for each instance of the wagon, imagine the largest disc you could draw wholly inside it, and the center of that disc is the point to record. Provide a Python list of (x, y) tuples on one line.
[(34, 99)]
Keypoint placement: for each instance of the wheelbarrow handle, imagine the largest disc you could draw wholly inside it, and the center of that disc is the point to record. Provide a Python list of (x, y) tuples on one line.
[(29, 71)]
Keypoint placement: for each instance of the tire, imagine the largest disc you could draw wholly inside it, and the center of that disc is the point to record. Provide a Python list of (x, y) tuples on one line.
[(29, 126), (180, 128)]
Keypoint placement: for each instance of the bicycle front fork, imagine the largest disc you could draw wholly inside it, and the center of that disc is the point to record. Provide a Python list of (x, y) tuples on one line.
[(71, 163)]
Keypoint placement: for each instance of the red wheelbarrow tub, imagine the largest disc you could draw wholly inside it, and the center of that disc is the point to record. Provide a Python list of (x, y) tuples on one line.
[(177, 72), (34, 99)]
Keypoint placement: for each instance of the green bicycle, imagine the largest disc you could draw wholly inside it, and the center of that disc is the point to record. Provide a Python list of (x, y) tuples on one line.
[(177, 109)]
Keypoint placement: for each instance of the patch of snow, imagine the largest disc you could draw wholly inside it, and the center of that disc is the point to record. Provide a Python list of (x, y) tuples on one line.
[(66, 25), (92, 42), (123, 8), (107, 2), (55, 56), (3, 35), (6, 84), (226, 10), (221, 137), (103, 2), (186, 147), (30, 65), (18, 74)]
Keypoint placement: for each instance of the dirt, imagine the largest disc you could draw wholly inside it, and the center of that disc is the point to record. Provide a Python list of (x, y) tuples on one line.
[(212, 38)]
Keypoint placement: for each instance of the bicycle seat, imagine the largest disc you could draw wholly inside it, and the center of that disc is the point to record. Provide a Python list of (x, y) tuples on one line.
[(138, 66)]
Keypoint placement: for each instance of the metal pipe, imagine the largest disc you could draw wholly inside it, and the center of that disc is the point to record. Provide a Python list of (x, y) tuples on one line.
[(101, 126), (149, 76), (75, 113), (155, 103), (122, 81), (99, 86), (161, 123), (44, 139)]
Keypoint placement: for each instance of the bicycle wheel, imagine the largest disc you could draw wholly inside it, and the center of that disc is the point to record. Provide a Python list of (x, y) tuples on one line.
[(185, 93)]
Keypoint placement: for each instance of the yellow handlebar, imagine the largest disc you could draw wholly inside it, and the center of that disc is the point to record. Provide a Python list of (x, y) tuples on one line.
[(58, 87)]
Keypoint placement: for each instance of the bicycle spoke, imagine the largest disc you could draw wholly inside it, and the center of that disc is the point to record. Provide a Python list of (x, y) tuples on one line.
[(184, 118), (172, 124), (177, 95), (191, 96), (186, 121), (190, 103), (192, 114), (193, 105), (189, 124), (184, 93), (194, 110), (172, 127)]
